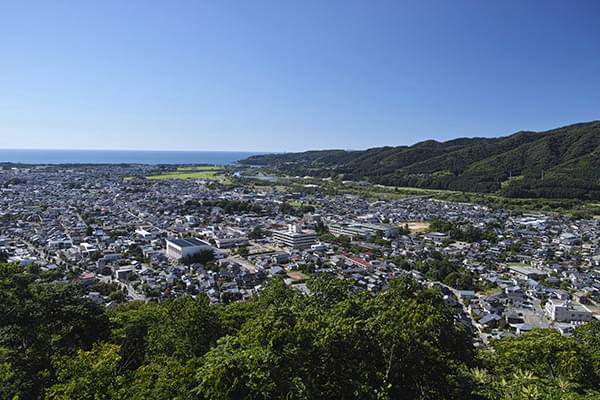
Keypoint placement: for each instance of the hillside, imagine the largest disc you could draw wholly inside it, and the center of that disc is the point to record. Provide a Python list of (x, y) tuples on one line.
[(560, 163)]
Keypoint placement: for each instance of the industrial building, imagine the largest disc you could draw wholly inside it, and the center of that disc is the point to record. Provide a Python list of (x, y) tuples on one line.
[(567, 311), (181, 248), (363, 231)]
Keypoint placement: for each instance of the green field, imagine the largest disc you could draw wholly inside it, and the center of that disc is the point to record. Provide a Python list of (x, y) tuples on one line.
[(573, 207), (213, 173)]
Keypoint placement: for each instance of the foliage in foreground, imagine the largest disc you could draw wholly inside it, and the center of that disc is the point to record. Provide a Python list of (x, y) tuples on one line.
[(335, 344)]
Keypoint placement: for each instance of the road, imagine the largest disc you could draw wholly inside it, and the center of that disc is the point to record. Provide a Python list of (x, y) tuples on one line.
[(131, 292), (534, 316), (244, 263)]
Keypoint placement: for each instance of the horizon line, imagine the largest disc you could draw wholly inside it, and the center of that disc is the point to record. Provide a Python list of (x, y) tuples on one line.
[(593, 121), (126, 149)]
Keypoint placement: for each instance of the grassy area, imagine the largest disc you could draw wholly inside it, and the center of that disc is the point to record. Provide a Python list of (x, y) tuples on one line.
[(571, 207), (489, 291), (213, 173), (510, 180), (574, 207)]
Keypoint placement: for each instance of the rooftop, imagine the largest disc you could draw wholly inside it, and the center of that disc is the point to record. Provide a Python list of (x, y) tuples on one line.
[(188, 242)]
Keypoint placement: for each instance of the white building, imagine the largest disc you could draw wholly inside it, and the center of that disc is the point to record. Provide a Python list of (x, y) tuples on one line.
[(226, 243), (437, 237), (318, 247), (180, 248), (363, 231), (567, 311), (525, 272), (147, 232), (295, 238), (123, 273)]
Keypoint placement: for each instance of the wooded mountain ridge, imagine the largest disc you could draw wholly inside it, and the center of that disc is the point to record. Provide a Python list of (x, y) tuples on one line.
[(559, 163)]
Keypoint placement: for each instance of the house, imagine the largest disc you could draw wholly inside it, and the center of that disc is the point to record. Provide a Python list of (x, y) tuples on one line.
[(466, 294), (276, 270), (489, 321), (521, 328), (87, 278), (281, 257), (147, 232), (359, 262), (525, 272)]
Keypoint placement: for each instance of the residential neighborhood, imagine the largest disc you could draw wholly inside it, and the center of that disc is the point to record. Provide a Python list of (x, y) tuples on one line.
[(124, 237)]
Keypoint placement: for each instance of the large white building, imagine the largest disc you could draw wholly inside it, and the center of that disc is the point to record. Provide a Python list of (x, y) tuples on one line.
[(567, 311), (295, 238), (181, 248), (363, 231)]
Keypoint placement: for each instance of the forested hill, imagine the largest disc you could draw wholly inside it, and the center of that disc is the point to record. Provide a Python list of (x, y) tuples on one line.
[(563, 162)]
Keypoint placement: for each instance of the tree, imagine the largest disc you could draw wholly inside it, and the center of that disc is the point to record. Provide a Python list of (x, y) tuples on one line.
[(342, 345), (257, 233), (9, 386), (403, 230), (543, 353), (89, 375), (231, 371), (524, 385), (328, 290), (588, 337), (418, 337), (461, 279), (335, 343), (163, 378), (186, 327), (439, 225), (40, 320), (130, 325)]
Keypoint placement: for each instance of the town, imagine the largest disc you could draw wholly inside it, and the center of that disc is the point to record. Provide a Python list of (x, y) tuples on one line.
[(125, 237)]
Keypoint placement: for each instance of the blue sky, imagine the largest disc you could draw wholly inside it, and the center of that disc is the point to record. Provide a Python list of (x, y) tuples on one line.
[(291, 75)]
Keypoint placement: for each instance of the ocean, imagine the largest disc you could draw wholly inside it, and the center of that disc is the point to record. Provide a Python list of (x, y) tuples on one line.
[(31, 156)]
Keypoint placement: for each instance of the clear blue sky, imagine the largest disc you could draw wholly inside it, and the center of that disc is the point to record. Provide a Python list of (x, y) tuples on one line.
[(291, 75)]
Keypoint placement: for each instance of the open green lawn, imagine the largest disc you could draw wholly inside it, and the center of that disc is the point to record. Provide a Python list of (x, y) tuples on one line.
[(201, 172)]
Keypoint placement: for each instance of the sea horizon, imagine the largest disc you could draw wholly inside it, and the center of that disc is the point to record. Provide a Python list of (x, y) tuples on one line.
[(122, 156)]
